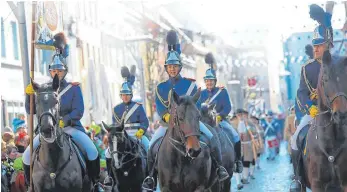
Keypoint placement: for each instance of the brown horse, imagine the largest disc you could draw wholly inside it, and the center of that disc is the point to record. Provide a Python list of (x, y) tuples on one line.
[(326, 148)]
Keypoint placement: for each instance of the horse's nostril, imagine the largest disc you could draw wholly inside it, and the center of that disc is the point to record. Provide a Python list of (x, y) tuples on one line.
[(194, 152)]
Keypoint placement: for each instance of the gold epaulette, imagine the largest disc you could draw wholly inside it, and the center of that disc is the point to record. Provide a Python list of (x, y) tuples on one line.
[(189, 79)]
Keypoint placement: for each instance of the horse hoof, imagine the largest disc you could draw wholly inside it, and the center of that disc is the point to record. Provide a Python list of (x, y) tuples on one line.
[(239, 186)]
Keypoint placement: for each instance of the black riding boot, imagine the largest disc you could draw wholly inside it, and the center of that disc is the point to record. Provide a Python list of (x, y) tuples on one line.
[(238, 162), (94, 173), (149, 184), (27, 174), (296, 185), (217, 157)]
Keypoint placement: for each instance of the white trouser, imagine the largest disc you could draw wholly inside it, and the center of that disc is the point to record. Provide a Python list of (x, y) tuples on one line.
[(304, 121)]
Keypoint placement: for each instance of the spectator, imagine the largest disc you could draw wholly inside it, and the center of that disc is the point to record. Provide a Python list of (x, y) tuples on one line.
[(8, 136)]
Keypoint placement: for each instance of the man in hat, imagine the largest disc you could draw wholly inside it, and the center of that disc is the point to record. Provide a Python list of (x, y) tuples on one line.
[(271, 129), (307, 93), (255, 119), (250, 148), (71, 111), (131, 113), (219, 98), (289, 127), (182, 86)]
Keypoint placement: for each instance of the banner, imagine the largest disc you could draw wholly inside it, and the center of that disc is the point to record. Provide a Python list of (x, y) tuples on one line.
[(49, 22)]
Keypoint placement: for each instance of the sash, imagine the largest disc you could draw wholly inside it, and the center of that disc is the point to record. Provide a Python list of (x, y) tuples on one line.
[(131, 111), (64, 91), (269, 126), (191, 88), (214, 96)]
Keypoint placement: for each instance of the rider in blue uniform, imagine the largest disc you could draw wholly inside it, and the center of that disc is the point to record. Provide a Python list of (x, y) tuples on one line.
[(133, 114), (307, 92), (71, 111), (219, 97), (182, 86)]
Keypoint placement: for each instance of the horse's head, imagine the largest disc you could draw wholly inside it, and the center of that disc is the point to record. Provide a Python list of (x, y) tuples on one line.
[(208, 114), (333, 86), (47, 108), (184, 120), (116, 135)]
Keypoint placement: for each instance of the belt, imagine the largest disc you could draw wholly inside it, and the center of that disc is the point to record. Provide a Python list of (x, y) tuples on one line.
[(132, 125)]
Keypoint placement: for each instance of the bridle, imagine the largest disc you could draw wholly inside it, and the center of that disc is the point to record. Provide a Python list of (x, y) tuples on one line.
[(329, 102), (55, 118), (179, 145), (125, 153)]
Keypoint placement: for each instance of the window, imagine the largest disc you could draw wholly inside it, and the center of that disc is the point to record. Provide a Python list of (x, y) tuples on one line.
[(3, 44), (15, 40)]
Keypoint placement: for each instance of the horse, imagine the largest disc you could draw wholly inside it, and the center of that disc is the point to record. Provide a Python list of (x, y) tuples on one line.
[(183, 162), (55, 164), (208, 116), (326, 150), (129, 165)]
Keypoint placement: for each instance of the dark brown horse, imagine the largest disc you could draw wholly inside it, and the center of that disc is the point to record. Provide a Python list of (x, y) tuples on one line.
[(184, 164), (326, 149), (208, 116)]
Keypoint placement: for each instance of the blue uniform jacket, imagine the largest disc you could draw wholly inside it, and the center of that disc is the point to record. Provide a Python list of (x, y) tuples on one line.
[(139, 115), (308, 81), (222, 101), (71, 105), (179, 84), (299, 110), (270, 131)]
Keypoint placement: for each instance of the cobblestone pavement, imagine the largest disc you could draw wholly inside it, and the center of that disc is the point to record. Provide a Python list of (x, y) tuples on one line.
[(274, 176)]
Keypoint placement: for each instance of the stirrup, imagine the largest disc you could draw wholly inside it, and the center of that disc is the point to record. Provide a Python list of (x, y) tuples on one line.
[(295, 181), (97, 186), (146, 179), (221, 168)]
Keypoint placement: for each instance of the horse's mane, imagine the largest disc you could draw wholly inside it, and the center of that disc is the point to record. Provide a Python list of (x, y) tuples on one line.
[(320, 91)]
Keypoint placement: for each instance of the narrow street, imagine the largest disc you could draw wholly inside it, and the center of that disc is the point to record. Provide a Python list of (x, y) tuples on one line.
[(274, 176)]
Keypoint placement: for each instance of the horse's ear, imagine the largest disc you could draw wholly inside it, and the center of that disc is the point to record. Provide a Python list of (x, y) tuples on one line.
[(105, 125), (55, 84), (196, 96), (175, 98), (326, 57), (204, 108), (35, 85)]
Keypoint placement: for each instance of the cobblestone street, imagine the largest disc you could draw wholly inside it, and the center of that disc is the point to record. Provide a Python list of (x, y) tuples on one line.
[(274, 176)]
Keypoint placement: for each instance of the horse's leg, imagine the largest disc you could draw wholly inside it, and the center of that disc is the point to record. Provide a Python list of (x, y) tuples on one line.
[(165, 189), (200, 189), (226, 185)]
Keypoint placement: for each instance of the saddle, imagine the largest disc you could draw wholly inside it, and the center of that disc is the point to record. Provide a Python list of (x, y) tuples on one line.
[(142, 152), (302, 138)]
